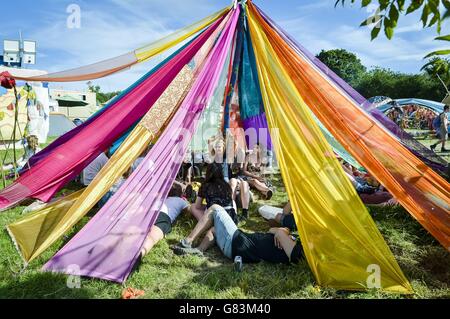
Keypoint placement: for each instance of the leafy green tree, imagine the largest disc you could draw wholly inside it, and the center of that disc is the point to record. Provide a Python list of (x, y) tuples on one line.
[(439, 68), (398, 85), (390, 11), (345, 64), (102, 98)]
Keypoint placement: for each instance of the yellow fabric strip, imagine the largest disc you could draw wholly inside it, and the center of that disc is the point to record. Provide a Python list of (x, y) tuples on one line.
[(342, 244), (30, 231), (173, 39)]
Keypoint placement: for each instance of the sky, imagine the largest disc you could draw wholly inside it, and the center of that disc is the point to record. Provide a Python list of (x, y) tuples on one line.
[(113, 27)]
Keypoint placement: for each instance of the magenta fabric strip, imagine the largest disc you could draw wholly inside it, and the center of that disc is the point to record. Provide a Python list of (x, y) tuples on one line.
[(69, 159), (109, 245)]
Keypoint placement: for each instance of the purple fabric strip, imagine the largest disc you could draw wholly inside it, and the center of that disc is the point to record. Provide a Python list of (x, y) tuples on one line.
[(428, 156), (259, 123), (109, 245)]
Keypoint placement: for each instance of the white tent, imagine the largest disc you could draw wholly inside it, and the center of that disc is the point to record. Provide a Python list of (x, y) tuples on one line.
[(59, 125)]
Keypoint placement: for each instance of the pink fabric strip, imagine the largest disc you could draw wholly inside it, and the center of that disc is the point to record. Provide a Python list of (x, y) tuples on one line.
[(69, 159)]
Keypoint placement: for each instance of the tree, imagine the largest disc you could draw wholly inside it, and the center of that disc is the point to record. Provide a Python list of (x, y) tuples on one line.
[(390, 11), (102, 98), (398, 85), (439, 68), (345, 64)]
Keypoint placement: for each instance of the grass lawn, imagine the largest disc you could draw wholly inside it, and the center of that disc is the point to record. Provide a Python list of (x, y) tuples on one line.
[(163, 275)]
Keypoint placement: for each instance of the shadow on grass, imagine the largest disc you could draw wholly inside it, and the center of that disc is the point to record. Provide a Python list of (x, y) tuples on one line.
[(260, 281), (40, 285)]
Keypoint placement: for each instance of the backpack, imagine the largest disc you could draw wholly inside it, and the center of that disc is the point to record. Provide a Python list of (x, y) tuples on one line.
[(437, 122)]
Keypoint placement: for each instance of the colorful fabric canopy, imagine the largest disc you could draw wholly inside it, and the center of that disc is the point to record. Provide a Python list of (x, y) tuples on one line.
[(110, 244), (429, 157), (325, 204), (425, 194)]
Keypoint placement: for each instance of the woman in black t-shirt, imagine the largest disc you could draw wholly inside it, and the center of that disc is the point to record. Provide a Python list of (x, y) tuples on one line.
[(215, 191)]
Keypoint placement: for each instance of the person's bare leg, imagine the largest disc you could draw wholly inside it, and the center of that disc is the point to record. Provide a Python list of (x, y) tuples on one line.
[(274, 223), (245, 195), (207, 242), (202, 226), (198, 214), (233, 185), (152, 239), (278, 218), (260, 186)]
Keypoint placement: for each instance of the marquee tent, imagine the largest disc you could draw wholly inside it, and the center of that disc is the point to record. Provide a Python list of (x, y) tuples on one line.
[(431, 105)]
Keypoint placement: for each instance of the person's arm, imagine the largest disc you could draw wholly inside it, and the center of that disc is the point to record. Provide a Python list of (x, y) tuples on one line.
[(283, 240), (198, 209)]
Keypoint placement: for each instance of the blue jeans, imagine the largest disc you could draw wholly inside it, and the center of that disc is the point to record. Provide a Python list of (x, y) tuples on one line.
[(102, 202), (225, 228)]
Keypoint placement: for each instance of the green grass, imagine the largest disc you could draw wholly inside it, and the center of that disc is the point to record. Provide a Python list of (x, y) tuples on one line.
[(428, 139), (164, 275)]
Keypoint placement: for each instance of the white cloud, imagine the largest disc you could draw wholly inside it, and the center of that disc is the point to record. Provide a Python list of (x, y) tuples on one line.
[(109, 33), (404, 53), (128, 24)]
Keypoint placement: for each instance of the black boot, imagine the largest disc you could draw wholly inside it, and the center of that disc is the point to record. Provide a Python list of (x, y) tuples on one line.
[(244, 215)]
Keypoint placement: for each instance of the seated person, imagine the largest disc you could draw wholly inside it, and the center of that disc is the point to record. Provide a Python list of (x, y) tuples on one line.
[(370, 195), (141, 158), (276, 246), (30, 149), (172, 208), (91, 171), (232, 168), (252, 169), (279, 216), (215, 191)]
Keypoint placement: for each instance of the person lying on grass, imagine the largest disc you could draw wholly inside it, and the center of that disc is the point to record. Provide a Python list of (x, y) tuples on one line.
[(173, 207), (279, 216), (276, 246)]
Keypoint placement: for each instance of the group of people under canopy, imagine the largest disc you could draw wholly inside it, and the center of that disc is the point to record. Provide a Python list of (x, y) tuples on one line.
[(421, 118), (216, 189), (413, 117)]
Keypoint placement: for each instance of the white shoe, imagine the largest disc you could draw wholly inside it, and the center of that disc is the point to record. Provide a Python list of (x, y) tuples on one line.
[(35, 206), (269, 212)]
